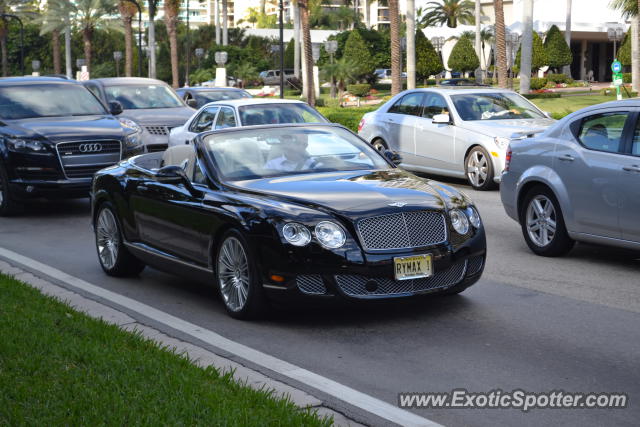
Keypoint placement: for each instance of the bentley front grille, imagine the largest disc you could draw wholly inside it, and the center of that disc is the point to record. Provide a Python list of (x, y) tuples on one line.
[(403, 230), (362, 286), (475, 265), (311, 284), (81, 159)]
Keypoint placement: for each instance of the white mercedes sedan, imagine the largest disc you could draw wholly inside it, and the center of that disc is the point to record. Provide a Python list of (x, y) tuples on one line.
[(457, 132), (244, 112)]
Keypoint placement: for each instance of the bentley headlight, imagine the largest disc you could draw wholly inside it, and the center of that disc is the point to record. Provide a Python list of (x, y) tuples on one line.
[(459, 221), (330, 235), (26, 145), (474, 216), (501, 142), (296, 234)]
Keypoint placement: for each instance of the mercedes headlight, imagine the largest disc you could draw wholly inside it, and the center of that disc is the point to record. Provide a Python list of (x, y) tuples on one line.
[(474, 216), (296, 234), (459, 221), (501, 142), (330, 235), (26, 145)]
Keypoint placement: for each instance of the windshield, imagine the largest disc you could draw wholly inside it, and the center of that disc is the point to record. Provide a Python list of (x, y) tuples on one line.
[(264, 114), (494, 106), (47, 100), (136, 97), (220, 95), (262, 153)]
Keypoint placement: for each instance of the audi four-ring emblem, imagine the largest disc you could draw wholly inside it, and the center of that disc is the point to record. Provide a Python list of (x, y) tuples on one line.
[(90, 148)]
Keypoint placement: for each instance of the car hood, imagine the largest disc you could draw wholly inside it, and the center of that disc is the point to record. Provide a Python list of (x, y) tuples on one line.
[(68, 128), (508, 128), (358, 193), (171, 117)]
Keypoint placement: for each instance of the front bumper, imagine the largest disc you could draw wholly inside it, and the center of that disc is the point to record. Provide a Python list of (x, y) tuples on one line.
[(356, 275)]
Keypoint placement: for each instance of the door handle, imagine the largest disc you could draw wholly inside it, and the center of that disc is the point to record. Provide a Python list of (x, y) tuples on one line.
[(566, 158), (634, 168)]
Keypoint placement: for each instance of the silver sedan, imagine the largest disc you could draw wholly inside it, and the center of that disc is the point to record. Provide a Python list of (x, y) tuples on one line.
[(453, 131), (579, 180)]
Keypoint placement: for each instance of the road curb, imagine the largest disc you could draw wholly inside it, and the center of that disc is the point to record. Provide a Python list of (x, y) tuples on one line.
[(198, 355)]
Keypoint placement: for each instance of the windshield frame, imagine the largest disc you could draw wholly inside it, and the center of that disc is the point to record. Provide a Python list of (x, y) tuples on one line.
[(36, 87), (504, 94), (213, 169), (168, 89)]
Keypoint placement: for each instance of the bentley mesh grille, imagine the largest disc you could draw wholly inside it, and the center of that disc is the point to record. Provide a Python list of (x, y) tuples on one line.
[(311, 284), (403, 230), (355, 285), (475, 265)]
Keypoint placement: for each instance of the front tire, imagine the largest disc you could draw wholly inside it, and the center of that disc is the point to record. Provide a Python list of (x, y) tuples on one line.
[(542, 224), (113, 255), (238, 278), (478, 168), (8, 206)]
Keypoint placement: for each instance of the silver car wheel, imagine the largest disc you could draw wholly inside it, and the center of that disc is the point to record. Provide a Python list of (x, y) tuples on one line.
[(107, 238), (541, 220), (233, 274), (477, 168)]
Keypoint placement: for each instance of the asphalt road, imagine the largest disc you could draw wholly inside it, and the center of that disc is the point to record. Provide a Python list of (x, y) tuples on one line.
[(531, 323)]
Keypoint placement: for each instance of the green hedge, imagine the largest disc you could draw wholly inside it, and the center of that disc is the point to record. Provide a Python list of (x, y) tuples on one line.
[(359, 89), (347, 117), (626, 77), (541, 95), (558, 78), (538, 83)]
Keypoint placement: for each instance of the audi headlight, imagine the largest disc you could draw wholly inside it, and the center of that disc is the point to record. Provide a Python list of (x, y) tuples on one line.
[(501, 142), (296, 234), (474, 216), (133, 132), (330, 235), (26, 145), (459, 221), (130, 124)]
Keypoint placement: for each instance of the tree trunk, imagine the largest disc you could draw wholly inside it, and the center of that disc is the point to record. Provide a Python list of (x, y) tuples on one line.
[(478, 41), (296, 39), (411, 44), (128, 46), (567, 36), (87, 34), (55, 45), (152, 40), (635, 54), (3, 48), (225, 24), (396, 53), (501, 46), (171, 18), (67, 47), (263, 7), (216, 18), (527, 46), (332, 92), (306, 54)]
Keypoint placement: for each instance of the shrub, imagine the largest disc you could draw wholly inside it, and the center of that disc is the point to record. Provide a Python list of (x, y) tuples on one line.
[(359, 89), (539, 58), (463, 56), (626, 77), (428, 61), (558, 78), (538, 83), (347, 117), (541, 95), (558, 52), (357, 52), (624, 51)]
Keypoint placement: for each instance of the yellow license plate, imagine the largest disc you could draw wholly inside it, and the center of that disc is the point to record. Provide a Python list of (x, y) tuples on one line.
[(412, 267)]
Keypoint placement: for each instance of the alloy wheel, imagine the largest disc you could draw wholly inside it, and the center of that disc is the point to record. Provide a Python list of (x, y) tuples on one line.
[(107, 238), (379, 145), (541, 220), (233, 274), (477, 168)]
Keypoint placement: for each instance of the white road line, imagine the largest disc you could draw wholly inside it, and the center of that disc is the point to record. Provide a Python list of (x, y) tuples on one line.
[(325, 385)]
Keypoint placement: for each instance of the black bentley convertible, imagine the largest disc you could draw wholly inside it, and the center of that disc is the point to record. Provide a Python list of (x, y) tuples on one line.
[(290, 210)]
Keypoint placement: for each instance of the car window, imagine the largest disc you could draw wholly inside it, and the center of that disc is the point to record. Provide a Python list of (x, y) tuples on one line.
[(410, 104), (603, 131), (494, 106), (635, 145), (204, 121), (93, 89), (434, 104), (143, 96), (226, 118), (198, 174), (272, 113), (47, 100)]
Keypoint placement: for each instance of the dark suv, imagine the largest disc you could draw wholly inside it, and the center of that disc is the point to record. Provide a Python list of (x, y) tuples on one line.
[(54, 135)]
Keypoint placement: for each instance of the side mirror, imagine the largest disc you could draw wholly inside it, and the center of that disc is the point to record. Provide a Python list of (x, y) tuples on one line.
[(115, 108), (192, 103), (442, 119), (172, 175), (393, 157)]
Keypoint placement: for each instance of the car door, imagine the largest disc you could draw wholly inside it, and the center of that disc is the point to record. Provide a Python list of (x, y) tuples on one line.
[(589, 166), (400, 121), (226, 118), (435, 142), (630, 187)]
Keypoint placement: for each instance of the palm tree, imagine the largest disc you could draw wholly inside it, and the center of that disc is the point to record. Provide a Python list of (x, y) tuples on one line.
[(127, 12), (296, 38), (411, 44), (306, 52), (478, 44), (567, 35), (396, 53), (54, 28), (339, 74), (450, 12), (225, 23), (171, 11), (501, 45), (6, 6), (245, 72), (526, 46), (629, 9)]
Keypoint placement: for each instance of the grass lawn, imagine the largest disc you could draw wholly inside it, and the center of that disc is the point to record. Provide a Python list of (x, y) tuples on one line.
[(569, 104), (60, 367)]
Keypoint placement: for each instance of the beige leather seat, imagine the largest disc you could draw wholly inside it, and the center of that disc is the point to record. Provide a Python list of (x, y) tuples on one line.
[(181, 155)]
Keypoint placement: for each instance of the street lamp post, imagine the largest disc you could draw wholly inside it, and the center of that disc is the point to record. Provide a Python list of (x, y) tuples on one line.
[(315, 55), (199, 54), (35, 66), (615, 34), (438, 43), (137, 5), (281, 28), (221, 72), (6, 15), (331, 46), (513, 41), (117, 56)]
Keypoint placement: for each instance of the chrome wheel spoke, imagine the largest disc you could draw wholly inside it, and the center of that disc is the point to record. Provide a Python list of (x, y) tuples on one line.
[(233, 274), (107, 238), (541, 220)]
